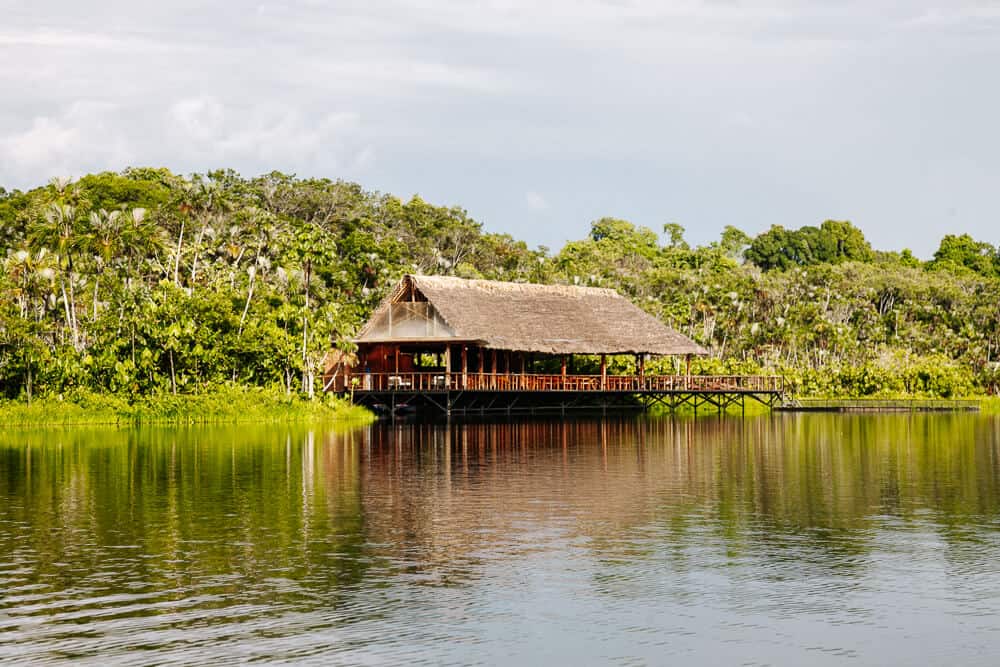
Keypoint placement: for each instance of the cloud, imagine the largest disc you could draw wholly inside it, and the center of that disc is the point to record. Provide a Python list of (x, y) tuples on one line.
[(82, 138), (76, 40), (535, 201), (262, 133), (192, 134), (761, 111)]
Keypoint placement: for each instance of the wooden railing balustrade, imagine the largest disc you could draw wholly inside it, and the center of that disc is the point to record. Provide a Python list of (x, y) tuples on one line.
[(473, 381)]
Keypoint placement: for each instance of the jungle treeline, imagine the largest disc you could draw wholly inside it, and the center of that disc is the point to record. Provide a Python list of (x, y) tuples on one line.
[(145, 282)]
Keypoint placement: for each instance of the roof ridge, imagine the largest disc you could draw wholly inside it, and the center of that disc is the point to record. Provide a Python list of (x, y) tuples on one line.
[(485, 282)]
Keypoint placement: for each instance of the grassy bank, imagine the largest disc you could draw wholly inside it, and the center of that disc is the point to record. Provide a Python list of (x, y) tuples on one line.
[(228, 404)]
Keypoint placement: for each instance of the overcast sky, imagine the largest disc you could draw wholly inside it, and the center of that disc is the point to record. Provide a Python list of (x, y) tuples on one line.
[(537, 117)]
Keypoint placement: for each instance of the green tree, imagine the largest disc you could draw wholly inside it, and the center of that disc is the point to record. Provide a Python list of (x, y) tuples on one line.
[(956, 253)]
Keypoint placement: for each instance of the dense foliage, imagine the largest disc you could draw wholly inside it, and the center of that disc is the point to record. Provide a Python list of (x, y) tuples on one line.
[(145, 282)]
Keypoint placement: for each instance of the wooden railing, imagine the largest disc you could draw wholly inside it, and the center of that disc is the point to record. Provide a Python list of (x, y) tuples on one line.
[(429, 382)]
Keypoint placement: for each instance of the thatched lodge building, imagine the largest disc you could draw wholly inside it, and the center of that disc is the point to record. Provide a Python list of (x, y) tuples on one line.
[(437, 334)]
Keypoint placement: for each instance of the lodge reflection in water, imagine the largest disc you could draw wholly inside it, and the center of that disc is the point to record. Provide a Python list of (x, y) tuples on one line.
[(405, 542), (787, 472)]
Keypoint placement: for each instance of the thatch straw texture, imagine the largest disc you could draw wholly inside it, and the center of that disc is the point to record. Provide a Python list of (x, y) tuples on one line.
[(553, 319)]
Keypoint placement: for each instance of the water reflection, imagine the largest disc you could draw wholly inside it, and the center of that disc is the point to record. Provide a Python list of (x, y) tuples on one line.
[(779, 539)]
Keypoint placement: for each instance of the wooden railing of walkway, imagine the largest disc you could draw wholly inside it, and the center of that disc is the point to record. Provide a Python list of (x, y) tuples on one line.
[(530, 382)]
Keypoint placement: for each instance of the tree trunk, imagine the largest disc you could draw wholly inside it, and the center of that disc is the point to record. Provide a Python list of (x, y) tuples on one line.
[(177, 256), (173, 377), (72, 310), (246, 307), (306, 277), (197, 250), (69, 315)]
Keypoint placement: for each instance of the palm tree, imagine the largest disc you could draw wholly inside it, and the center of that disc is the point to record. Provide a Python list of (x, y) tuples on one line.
[(141, 239), (206, 201), (107, 245), (29, 272), (62, 233)]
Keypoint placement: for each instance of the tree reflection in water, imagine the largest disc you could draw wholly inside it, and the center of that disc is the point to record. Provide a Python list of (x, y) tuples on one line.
[(383, 542)]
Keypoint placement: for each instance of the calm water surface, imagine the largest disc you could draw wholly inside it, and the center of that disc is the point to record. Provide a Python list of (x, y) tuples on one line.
[(811, 539)]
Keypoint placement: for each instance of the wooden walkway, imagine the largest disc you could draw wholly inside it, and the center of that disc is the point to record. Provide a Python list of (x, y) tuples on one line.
[(878, 405), (529, 392)]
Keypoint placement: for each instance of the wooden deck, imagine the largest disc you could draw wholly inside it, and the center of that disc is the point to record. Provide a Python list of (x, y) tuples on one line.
[(510, 392), (504, 382)]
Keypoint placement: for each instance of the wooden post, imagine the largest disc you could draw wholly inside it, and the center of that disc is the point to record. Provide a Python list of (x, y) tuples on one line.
[(520, 358), (687, 380), (563, 366), (465, 365), (447, 365), (604, 371), (395, 354), (642, 367)]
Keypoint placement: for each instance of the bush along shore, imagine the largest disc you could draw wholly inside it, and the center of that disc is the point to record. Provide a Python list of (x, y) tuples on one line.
[(120, 291), (225, 404)]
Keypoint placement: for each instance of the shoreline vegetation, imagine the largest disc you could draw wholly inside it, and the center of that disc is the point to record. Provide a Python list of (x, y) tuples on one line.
[(144, 295), (222, 405)]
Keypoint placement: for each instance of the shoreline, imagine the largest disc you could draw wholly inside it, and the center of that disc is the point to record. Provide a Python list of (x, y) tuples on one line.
[(250, 405), (226, 405)]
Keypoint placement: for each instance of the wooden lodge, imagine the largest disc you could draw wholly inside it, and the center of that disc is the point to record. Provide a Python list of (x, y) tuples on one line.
[(476, 346)]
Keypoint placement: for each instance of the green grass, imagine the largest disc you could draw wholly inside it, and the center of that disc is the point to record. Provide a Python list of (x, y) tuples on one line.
[(752, 409), (988, 405), (228, 404)]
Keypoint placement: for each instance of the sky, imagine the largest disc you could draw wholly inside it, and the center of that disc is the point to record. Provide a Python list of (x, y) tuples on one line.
[(537, 117)]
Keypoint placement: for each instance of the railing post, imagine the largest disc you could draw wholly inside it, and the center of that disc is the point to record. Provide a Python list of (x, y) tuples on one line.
[(481, 353), (447, 365)]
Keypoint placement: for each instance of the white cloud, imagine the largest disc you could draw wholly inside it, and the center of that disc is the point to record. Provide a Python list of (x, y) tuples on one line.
[(76, 40), (198, 119), (193, 133), (82, 138), (761, 111), (208, 129), (536, 201)]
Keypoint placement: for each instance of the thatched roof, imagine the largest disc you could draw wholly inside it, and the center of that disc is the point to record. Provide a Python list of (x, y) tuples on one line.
[(554, 319)]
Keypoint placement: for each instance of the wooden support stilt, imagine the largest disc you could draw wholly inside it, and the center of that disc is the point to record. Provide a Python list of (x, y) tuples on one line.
[(604, 371)]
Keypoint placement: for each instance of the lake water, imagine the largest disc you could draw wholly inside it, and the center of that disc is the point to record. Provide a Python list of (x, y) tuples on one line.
[(794, 539)]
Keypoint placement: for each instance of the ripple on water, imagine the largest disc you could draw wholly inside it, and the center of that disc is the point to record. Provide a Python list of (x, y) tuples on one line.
[(773, 541)]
